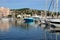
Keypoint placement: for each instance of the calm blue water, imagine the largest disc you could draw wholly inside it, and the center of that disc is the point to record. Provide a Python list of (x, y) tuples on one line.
[(11, 30)]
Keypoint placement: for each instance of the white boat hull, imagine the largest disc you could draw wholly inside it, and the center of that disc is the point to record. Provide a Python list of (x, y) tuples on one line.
[(54, 20), (57, 25)]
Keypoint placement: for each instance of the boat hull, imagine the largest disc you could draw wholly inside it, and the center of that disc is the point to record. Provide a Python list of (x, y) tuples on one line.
[(28, 20), (56, 25)]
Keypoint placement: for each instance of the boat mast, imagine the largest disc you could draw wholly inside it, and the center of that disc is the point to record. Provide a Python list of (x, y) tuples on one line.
[(57, 8), (52, 8), (46, 10)]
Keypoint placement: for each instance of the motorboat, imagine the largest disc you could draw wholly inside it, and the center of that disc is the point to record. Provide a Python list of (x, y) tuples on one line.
[(28, 20), (56, 21)]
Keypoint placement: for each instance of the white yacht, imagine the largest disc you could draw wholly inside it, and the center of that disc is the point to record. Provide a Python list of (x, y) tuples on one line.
[(55, 22)]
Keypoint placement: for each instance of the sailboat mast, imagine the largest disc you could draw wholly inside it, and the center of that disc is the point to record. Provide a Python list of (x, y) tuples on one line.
[(52, 8), (57, 8), (46, 10)]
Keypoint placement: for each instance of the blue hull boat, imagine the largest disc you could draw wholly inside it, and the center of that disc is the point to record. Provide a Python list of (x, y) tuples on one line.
[(28, 20)]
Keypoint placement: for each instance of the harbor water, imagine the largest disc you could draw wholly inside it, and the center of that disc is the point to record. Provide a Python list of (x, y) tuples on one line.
[(16, 30)]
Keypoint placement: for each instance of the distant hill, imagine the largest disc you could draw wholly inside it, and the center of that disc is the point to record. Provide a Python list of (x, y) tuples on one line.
[(32, 11)]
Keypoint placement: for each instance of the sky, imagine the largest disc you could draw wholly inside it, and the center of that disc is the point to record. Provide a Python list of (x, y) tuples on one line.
[(33, 4)]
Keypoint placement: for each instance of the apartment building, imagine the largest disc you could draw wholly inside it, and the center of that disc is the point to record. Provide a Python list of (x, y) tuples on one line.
[(4, 11)]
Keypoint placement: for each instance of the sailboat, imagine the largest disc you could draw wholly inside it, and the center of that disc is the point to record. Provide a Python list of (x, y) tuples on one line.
[(55, 21)]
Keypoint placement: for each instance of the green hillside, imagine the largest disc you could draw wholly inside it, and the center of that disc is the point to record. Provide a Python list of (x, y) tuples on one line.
[(32, 11)]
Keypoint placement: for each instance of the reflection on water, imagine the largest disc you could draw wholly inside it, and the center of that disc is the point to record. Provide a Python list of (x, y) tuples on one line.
[(25, 25), (17, 30), (4, 25)]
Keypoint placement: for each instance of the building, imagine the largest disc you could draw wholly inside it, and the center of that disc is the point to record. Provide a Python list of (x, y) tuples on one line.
[(4, 11)]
